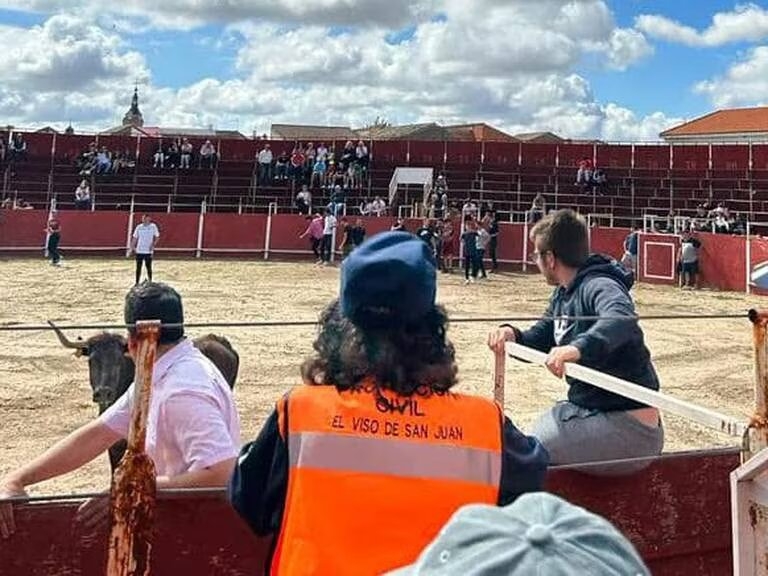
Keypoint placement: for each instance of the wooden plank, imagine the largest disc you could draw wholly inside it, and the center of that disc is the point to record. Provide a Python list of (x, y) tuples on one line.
[(698, 414)]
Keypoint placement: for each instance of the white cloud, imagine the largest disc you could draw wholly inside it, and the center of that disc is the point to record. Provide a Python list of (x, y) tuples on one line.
[(510, 64), (747, 22), (186, 14), (744, 84)]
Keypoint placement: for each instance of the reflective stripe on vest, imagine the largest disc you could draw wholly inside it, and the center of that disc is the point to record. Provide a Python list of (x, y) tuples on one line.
[(393, 457), (371, 483)]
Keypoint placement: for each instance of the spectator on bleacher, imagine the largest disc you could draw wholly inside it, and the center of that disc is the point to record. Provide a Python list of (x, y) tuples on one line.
[(7, 203), (83, 195), (103, 161), (739, 225), (366, 208), (322, 152), (336, 178), (208, 156), (186, 154), (584, 173), (338, 200), (538, 208), (173, 156), (430, 206), (265, 166), (398, 226), (669, 225), (469, 209), (315, 232), (318, 172), (347, 156), (379, 207), (2, 148), (701, 221), (599, 181), (354, 176), (309, 161), (159, 157), (281, 166), (304, 200), (18, 148), (296, 165), (362, 158), (21, 204), (441, 183)]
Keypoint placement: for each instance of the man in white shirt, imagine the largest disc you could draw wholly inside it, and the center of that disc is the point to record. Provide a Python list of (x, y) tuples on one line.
[(143, 245), (193, 430), (329, 226), (265, 166)]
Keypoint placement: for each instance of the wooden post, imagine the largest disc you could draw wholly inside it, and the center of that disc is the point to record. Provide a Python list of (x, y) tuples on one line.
[(498, 377), (758, 437), (132, 499)]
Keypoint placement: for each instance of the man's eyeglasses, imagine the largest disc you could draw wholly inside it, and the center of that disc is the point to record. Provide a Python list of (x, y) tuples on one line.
[(536, 255)]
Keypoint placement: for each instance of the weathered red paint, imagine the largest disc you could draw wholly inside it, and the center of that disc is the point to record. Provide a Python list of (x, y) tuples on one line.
[(132, 502), (676, 512)]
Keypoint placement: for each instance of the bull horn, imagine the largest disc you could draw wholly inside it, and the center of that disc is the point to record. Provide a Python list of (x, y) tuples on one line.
[(65, 341)]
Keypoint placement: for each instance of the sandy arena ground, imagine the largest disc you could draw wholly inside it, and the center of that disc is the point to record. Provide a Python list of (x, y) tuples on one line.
[(45, 392)]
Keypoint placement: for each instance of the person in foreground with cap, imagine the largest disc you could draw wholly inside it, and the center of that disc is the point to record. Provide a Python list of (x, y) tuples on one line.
[(358, 469), (537, 534)]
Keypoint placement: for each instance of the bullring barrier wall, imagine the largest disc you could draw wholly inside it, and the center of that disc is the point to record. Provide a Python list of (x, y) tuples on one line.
[(725, 262)]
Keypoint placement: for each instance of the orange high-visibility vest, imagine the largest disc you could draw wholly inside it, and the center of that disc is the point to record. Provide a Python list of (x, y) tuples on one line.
[(372, 483)]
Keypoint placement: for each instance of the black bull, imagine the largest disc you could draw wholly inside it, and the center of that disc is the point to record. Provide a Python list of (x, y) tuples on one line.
[(111, 370)]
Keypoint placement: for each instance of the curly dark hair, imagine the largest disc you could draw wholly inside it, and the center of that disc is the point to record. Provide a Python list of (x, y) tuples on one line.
[(406, 358)]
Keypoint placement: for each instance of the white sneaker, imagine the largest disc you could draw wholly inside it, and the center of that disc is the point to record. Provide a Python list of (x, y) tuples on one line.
[(466, 281)]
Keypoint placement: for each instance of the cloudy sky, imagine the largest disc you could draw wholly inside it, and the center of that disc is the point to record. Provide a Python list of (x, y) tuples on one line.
[(613, 69)]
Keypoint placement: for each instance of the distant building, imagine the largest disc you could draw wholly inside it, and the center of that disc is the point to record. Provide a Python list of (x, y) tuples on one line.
[(734, 125), (133, 125), (380, 131), (539, 138), (313, 133)]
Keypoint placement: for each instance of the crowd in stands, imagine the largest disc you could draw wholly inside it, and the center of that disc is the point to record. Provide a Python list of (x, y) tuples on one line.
[(718, 220), (589, 176), (180, 153), (101, 160), (316, 166)]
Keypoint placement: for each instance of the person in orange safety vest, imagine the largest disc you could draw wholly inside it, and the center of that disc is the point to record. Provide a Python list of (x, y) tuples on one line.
[(357, 470)]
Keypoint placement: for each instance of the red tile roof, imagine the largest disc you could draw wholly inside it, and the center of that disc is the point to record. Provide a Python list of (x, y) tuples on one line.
[(732, 121)]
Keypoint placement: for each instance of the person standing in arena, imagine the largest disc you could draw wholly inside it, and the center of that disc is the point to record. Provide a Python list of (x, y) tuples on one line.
[(193, 430), (376, 435), (143, 243), (53, 229), (593, 424)]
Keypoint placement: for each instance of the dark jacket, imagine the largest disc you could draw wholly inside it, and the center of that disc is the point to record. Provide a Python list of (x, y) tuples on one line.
[(614, 346)]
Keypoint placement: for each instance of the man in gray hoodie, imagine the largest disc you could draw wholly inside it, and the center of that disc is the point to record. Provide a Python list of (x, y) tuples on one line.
[(593, 424)]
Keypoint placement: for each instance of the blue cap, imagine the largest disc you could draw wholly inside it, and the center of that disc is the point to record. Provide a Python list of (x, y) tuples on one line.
[(537, 534), (392, 274)]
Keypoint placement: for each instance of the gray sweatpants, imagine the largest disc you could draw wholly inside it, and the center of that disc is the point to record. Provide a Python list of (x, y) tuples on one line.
[(575, 435)]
